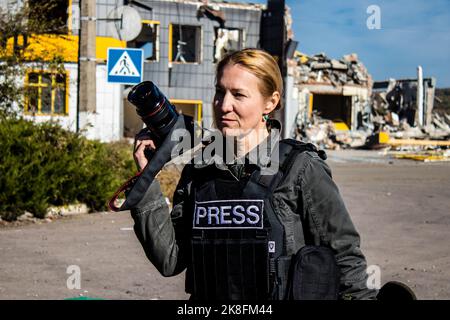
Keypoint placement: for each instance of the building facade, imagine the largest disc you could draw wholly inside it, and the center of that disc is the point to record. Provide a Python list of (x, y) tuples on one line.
[(181, 39)]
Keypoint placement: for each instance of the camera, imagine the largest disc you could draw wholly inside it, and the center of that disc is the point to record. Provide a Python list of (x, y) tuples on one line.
[(155, 110), (162, 121)]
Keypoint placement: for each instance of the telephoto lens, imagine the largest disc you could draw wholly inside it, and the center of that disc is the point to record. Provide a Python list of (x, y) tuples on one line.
[(155, 110), (162, 121)]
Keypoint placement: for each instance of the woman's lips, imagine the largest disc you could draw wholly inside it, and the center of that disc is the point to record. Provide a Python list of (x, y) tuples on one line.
[(227, 120)]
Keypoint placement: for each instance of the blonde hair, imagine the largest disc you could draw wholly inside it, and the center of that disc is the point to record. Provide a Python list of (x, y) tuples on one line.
[(262, 65)]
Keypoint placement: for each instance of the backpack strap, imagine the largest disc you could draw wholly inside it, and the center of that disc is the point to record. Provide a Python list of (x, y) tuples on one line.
[(288, 150)]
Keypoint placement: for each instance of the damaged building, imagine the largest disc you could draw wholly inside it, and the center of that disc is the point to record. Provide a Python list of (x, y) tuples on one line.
[(181, 40), (403, 103), (332, 98), (340, 106), (187, 38)]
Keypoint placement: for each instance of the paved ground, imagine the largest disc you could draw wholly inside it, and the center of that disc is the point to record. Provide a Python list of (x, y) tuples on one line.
[(401, 209)]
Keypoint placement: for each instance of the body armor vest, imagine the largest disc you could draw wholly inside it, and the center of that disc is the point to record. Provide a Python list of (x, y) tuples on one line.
[(236, 235)]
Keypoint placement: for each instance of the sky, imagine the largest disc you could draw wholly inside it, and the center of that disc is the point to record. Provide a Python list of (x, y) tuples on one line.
[(409, 33)]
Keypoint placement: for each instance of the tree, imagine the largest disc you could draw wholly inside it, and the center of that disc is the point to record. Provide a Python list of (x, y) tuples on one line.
[(21, 25)]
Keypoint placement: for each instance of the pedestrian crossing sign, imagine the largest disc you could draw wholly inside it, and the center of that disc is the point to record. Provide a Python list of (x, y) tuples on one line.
[(125, 65)]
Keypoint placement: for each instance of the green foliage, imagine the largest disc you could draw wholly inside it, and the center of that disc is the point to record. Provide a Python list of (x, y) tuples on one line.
[(43, 165)]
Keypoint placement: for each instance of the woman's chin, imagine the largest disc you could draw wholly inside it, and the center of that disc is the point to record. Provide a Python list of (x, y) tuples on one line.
[(235, 132), (231, 132)]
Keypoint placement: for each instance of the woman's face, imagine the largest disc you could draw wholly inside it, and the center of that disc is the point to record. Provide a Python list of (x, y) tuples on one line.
[(238, 102)]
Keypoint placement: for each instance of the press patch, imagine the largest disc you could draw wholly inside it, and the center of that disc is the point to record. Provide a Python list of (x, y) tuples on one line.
[(229, 214)]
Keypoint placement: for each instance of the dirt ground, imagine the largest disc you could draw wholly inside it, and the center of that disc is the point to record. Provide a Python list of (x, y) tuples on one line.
[(401, 209)]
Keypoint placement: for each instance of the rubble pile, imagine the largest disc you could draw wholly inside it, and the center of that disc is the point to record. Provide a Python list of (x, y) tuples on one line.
[(421, 143), (318, 131), (322, 132), (427, 142), (394, 111), (394, 103), (439, 129), (320, 68), (340, 106)]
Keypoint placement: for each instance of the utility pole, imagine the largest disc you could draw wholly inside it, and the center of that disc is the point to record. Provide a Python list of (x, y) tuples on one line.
[(273, 39), (87, 92), (419, 97)]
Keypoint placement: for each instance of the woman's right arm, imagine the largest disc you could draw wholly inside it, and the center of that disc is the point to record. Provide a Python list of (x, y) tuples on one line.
[(164, 236)]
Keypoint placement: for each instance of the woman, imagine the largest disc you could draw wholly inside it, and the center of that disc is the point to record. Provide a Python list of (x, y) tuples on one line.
[(234, 228)]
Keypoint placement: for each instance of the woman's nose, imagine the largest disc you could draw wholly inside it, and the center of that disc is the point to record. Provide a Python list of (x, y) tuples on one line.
[(226, 103)]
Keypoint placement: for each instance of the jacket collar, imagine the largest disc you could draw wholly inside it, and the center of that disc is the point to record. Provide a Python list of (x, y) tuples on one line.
[(261, 155)]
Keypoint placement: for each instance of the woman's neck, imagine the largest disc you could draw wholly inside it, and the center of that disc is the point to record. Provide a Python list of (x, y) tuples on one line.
[(243, 144)]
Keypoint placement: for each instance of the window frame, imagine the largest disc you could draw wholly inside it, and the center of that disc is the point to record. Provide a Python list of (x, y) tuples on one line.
[(197, 103), (199, 50), (70, 17), (40, 85), (241, 38), (157, 47)]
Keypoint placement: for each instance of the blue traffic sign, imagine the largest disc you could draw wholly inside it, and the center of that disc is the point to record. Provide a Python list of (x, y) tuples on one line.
[(125, 65)]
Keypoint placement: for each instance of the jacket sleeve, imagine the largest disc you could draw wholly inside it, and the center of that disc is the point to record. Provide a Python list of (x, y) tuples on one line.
[(164, 235), (329, 224)]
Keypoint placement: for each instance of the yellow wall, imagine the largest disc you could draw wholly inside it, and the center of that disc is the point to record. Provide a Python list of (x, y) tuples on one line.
[(103, 43), (48, 47)]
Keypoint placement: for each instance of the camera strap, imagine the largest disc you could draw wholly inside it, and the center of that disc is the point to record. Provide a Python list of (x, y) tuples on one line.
[(113, 202)]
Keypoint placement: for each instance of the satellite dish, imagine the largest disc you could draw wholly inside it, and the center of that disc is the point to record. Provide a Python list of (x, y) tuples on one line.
[(124, 23)]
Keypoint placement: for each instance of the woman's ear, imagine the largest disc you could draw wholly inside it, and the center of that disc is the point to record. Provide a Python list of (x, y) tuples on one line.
[(272, 102)]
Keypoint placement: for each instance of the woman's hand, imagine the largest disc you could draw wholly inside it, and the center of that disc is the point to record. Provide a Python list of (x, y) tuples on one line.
[(142, 142)]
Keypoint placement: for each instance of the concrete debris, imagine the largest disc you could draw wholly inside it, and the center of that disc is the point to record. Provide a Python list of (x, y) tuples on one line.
[(319, 132), (340, 107), (335, 90), (427, 143), (226, 41), (397, 104), (288, 22), (436, 138), (438, 129), (212, 13), (320, 68), (351, 139), (325, 134)]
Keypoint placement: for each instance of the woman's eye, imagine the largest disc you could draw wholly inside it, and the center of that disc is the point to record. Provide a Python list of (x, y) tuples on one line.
[(239, 95)]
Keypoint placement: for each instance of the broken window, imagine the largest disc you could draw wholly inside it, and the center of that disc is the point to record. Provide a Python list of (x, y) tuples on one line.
[(148, 40), (46, 93), (226, 41), (54, 13), (337, 108), (184, 43)]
